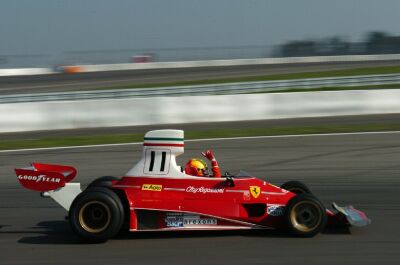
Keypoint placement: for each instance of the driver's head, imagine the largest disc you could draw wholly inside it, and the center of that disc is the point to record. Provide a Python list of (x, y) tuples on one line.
[(196, 167)]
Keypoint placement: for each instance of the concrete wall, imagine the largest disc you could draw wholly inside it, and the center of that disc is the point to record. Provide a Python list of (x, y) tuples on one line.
[(164, 110)]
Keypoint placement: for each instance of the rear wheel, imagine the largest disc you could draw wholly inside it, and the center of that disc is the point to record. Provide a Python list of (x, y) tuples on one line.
[(102, 182), (96, 215), (305, 215), (297, 187)]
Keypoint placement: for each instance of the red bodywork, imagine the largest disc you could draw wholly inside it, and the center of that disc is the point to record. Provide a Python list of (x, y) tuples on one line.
[(163, 203), (250, 203)]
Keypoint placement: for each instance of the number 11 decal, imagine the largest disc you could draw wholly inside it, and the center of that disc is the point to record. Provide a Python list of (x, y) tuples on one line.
[(157, 161)]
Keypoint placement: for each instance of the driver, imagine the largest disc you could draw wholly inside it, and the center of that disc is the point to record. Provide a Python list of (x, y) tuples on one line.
[(197, 167)]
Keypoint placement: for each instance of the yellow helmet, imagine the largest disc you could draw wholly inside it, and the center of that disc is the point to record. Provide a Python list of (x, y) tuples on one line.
[(196, 167)]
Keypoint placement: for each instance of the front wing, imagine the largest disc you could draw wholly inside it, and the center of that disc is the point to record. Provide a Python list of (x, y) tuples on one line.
[(353, 216)]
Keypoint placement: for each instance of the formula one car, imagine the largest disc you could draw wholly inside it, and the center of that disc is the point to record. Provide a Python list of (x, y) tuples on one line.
[(156, 195)]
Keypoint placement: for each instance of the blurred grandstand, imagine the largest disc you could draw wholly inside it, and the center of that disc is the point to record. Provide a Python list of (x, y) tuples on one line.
[(374, 43)]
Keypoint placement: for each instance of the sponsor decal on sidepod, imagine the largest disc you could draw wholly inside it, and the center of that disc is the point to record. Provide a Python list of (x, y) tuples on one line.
[(184, 220), (246, 195), (152, 187), (203, 190), (275, 210)]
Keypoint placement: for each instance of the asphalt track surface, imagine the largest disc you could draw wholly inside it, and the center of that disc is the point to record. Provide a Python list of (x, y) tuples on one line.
[(334, 121), (87, 81), (361, 169)]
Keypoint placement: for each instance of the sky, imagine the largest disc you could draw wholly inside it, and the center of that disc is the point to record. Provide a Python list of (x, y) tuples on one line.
[(51, 26)]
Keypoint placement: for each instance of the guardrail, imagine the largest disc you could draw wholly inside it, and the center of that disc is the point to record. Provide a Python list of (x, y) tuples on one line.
[(194, 64), (240, 62), (213, 89)]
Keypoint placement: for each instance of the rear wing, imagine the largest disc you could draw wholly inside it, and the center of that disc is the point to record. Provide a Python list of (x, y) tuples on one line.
[(52, 181), (45, 177)]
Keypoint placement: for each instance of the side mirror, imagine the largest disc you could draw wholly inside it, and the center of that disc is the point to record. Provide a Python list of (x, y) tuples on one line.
[(229, 181)]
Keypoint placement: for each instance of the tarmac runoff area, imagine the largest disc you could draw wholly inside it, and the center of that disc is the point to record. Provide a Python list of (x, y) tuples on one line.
[(359, 169)]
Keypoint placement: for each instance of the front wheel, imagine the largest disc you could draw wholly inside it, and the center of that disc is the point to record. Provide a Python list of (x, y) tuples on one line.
[(305, 215), (96, 215)]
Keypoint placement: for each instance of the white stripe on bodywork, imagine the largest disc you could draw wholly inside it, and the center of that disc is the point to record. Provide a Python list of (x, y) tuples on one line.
[(263, 192), (181, 189), (175, 189), (126, 186), (273, 193)]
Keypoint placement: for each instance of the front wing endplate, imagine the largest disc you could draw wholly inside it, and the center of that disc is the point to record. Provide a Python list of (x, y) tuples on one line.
[(353, 216)]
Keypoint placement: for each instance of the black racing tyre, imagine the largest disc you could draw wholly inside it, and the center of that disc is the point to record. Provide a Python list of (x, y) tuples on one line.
[(96, 215), (305, 215), (102, 182), (297, 187)]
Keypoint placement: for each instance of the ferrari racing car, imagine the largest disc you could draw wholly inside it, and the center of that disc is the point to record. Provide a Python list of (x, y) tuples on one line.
[(157, 195)]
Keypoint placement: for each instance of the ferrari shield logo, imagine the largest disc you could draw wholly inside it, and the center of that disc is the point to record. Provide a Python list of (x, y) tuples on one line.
[(255, 191)]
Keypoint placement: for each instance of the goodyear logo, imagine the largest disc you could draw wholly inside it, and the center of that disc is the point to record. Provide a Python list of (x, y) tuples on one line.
[(152, 187)]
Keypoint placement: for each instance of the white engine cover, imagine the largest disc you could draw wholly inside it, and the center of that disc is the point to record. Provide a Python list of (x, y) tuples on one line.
[(160, 149)]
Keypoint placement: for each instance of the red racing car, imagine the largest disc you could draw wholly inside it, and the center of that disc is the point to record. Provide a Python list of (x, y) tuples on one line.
[(156, 195)]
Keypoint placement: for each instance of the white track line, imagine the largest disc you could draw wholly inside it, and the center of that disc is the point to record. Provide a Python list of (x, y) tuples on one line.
[(201, 140)]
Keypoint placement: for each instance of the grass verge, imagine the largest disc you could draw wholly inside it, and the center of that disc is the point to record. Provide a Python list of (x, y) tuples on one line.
[(335, 73), (220, 133), (288, 90)]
